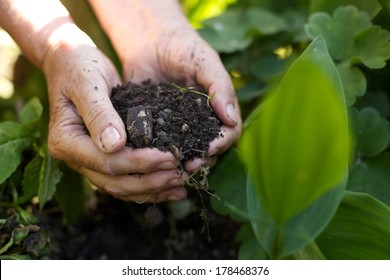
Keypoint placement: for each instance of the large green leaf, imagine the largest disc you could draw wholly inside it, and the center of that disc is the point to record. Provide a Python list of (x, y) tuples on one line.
[(359, 230), (295, 234), (372, 131), (14, 138), (297, 149), (372, 176), (358, 40)]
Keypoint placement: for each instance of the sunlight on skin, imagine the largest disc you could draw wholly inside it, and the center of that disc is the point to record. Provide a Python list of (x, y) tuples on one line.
[(36, 23), (9, 52)]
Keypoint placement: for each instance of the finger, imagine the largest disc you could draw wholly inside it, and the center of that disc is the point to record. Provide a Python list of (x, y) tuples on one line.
[(211, 74), (221, 144), (194, 165), (136, 184), (92, 99), (77, 148)]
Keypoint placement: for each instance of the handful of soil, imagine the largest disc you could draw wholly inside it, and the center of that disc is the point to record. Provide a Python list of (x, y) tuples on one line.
[(167, 117)]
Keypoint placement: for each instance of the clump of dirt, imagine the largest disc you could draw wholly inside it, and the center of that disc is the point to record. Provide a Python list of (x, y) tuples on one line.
[(167, 117)]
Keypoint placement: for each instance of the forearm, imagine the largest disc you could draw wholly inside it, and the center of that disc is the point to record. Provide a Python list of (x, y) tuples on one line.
[(37, 25), (131, 23)]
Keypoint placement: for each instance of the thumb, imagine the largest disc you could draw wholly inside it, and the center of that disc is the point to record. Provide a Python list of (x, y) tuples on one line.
[(106, 127), (101, 119)]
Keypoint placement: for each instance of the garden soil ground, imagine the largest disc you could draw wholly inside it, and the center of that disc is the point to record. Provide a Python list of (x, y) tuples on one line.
[(117, 230)]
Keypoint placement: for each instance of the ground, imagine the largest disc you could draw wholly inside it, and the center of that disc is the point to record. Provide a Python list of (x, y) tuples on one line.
[(117, 230)]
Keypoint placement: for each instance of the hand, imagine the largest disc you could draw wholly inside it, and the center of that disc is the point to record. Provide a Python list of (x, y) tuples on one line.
[(154, 40), (180, 55), (80, 79)]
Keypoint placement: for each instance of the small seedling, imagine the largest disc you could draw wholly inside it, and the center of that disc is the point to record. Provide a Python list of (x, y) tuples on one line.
[(193, 90)]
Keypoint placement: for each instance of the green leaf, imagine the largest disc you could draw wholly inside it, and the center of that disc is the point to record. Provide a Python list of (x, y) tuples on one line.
[(228, 182), (41, 177), (18, 235), (372, 47), (235, 29), (268, 67), (199, 10), (300, 230), (228, 32), (377, 100), (32, 111), (372, 176), (250, 248), (70, 195), (386, 7), (372, 131), (37, 243), (359, 230), (264, 21), (50, 176), (14, 139), (31, 179), (309, 252), (338, 35), (250, 91), (372, 7), (354, 82), (358, 40), (297, 149)]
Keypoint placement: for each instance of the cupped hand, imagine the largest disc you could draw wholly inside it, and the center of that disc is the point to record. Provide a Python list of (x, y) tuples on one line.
[(86, 132), (176, 53)]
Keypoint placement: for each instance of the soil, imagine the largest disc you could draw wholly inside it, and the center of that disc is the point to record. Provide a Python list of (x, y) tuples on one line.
[(167, 117), (117, 230)]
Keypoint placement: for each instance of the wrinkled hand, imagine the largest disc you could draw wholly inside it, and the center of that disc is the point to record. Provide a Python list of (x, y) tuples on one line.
[(176, 53), (80, 79)]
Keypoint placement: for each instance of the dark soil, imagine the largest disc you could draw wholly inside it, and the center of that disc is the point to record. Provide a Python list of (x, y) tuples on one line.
[(167, 117), (117, 230)]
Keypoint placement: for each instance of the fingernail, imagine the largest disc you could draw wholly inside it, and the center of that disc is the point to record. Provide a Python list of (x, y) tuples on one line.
[(109, 137), (173, 198), (231, 112)]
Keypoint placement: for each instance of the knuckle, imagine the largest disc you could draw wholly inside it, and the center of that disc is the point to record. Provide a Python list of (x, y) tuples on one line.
[(97, 112)]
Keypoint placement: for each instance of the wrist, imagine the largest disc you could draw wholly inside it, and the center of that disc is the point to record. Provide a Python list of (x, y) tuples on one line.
[(63, 39), (133, 26), (31, 26)]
